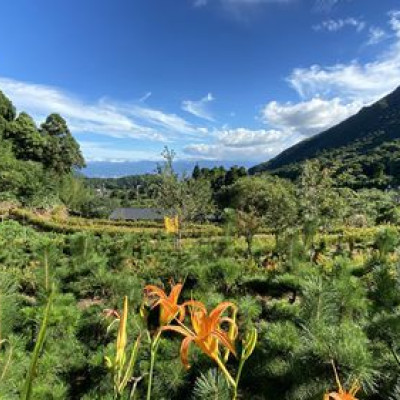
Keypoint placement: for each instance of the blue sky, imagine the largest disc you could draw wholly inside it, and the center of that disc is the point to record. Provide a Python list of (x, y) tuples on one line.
[(213, 79)]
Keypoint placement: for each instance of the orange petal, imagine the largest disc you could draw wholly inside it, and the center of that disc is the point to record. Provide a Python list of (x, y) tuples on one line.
[(153, 290), (221, 308), (177, 329), (225, 341), (182, 313), (185, 351), (195, 305), (175, 292)]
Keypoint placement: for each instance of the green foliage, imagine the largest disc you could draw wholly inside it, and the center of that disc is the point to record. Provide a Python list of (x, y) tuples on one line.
[(8, 303), (386, 241), (319, 203), (28, 386), (61, 152), (211, 385), (74, 193), (262, 201), (189, 199), (27, 142), (306, 314), (7, 110), (32, 160)]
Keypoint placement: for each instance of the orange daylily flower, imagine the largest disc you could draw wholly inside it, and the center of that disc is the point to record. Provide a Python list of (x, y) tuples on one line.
[(207, 333), (169, 308), (342, 394)]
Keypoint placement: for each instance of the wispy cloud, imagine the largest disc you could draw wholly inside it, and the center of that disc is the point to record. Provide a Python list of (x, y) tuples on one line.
[(326, 5), (335, 25), (199, 108), (376, 35), (145, 97), (105, 117)]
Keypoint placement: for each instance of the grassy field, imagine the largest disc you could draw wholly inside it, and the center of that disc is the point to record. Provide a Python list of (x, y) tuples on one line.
[(335, 301)]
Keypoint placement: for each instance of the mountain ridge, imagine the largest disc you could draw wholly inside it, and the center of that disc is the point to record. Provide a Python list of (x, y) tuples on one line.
[(374, 125)]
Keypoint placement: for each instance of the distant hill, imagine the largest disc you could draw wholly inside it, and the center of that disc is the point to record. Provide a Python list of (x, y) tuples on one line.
[(108, 169), (364, 149)]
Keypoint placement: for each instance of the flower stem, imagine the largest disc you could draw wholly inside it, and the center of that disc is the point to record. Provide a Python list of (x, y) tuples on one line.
[(239, 373), (153, 353), (228, 376)]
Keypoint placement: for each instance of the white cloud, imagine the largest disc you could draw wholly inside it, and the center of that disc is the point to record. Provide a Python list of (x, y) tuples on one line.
[(395, 21), (334, 25), (244, 144), (375, 35), (354, 80), (308, 117), (199, 108), (103, 117)]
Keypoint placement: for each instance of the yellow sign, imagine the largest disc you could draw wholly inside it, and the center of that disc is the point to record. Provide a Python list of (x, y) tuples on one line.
[(171, 224)]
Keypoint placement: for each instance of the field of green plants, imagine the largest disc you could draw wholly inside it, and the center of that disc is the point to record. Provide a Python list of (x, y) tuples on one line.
[(78, 319)]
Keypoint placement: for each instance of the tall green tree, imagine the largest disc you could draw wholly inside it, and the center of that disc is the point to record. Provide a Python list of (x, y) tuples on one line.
[(262, 201), (196, 172), (28, 143), (74, 193), (21, 180), (62, 152), (319, 202), (185, 197), (7, 113), (7, 109)]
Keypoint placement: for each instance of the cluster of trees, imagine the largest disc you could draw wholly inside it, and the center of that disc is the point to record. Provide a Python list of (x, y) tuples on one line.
[(34, 161), (219, 176), (38, 165), (142, 190), (187, 198), (311, 204), (52, 144), (129, 191)]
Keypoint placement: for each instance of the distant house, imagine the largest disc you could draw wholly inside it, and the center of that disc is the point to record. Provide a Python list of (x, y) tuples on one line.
[(137, 214)]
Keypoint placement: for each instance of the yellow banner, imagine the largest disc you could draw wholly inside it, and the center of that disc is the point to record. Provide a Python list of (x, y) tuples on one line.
[(171, 224)]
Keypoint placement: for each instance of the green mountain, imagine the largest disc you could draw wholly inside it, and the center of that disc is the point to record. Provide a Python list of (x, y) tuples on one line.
[(363, 151)]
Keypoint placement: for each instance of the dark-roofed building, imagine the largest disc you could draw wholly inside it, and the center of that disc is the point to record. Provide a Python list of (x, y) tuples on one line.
[(137, 214)]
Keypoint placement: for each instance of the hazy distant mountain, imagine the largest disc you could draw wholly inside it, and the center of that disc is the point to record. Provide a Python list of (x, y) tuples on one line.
[(107, 169)]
